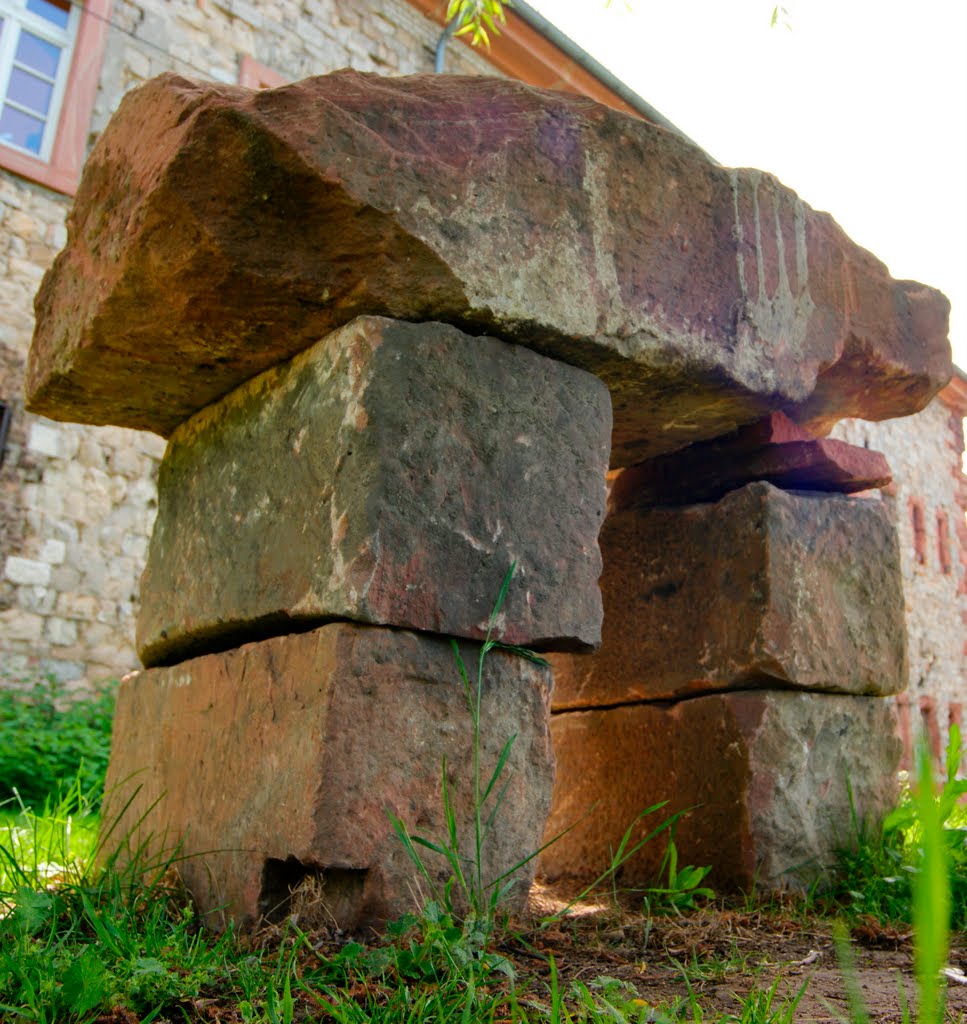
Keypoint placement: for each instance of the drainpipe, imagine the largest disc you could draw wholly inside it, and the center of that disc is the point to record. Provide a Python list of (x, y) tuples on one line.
[(441, 45), (580, 57)]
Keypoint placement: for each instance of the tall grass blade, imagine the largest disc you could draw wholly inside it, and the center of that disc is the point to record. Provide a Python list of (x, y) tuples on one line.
[(931, 897), (847, 962)]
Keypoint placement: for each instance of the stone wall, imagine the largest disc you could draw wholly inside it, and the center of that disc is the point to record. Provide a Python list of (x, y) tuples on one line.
[(77, 503), (927, 501)]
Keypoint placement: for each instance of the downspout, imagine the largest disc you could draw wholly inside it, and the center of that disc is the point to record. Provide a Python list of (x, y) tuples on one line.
[(441, 46)]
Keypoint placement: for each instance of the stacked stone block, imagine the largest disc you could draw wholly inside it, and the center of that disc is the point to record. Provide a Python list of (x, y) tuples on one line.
[(282, 760), (747, 649), (369, 346), (386, 479)]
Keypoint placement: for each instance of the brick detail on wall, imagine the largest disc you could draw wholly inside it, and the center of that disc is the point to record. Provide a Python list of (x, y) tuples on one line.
[(943, 542), (929, 499)]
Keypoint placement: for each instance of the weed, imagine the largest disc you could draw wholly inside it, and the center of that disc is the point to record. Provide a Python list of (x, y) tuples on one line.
[(713, 969), (74, 940), (47, 736), (467, 887), (879, 874), (682, 886), (925, 813)]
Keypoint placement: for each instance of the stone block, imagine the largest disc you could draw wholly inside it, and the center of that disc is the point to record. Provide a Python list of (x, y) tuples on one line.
[(229, 229), (44, 440), (283, 759), (53, 552), (17, 625), (26, 571), (77, 606), (766, 773), (764, 588), (390, 474), (774, 449), (61, 632)]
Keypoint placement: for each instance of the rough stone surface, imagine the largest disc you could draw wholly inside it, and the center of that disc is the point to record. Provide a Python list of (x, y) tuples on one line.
[(765, 771), (390, 474), (704, 297), (763, 588), (774, 449), (283, 758), (38, 499)]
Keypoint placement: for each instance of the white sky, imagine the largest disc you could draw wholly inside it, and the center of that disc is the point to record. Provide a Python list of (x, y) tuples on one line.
[(861, 108)]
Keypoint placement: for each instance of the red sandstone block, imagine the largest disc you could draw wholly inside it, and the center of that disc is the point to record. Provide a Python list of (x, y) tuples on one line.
[(390, 474), (283, 759), (775, 450), (766, 773), (761, 588)]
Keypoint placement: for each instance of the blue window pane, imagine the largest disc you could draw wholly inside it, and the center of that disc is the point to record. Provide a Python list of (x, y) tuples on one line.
[(57, 12), (38, 54), (32, 92), (21, 129)]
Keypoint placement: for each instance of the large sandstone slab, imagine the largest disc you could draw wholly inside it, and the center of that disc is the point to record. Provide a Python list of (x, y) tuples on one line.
[(767, 774), (764, 588), (218, 231), (390, 474), (281, 760)]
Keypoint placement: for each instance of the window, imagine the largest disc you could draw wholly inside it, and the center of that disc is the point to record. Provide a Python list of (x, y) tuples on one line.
[(5, 416), (50, 57), (943, 542), (36, 43), (919, 531)]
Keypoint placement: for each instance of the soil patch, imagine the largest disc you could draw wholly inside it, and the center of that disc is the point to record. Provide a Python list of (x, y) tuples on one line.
[(722, 954)]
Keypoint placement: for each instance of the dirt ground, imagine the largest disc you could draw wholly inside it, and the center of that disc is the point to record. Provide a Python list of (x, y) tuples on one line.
[(719, 953), (723, 954)]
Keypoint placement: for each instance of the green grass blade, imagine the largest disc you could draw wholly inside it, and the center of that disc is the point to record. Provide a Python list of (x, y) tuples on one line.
[(931, 897), (499, 768), (847, 963)]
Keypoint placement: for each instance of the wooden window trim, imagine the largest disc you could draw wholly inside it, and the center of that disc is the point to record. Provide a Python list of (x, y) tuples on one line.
[(63, 171)]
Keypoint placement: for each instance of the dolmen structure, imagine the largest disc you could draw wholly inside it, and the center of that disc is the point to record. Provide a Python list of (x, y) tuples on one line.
[(404, 334)]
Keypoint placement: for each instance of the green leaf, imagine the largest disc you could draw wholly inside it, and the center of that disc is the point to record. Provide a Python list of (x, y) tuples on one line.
[(31, 910), (148, 965), (87, 983)]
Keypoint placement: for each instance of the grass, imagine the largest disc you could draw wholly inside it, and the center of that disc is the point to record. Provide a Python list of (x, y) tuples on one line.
[(879, 873), (84, 940), (47, 736)]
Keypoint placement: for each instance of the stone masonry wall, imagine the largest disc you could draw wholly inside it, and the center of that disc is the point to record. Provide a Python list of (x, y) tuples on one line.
[(927, 501), (77, 503)]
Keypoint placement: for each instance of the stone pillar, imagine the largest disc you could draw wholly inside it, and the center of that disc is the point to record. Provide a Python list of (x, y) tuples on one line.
[(748, 648), (383, 481)]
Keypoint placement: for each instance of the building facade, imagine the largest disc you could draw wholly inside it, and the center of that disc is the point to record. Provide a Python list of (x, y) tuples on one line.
[(927, 499)]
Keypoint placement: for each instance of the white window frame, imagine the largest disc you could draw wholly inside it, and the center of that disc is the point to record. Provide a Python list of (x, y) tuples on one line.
[(15, 18)]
